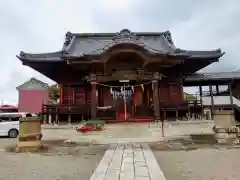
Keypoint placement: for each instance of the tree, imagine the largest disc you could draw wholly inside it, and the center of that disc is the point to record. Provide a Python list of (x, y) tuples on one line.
[(54, 92), (189, 97)]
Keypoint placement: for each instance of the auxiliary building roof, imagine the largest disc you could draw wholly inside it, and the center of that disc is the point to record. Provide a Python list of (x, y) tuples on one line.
[(208, 78)]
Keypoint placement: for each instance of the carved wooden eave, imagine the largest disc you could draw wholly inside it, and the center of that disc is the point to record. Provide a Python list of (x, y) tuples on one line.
[(128, 75)]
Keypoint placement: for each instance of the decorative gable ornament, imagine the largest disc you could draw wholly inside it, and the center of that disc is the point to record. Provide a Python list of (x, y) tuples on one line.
[(126, 34), (68, 38)]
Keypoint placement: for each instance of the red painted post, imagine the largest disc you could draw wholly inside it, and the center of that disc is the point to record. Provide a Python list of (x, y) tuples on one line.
[(57, 120), (60, 94), (73, 96)]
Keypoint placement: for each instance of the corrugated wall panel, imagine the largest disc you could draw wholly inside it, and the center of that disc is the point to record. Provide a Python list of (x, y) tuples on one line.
[(32, 100)]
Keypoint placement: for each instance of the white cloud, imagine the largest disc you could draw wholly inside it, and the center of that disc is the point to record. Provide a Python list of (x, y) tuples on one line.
[(39, 26)]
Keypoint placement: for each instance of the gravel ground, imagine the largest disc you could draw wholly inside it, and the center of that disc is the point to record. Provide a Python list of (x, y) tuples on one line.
[(198, 162), (59, 162)]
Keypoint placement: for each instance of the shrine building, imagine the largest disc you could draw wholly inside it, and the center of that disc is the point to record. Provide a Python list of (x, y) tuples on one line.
[(121, 76)]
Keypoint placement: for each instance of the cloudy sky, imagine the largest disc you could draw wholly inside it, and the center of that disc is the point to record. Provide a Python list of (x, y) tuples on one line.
[(40, 26)]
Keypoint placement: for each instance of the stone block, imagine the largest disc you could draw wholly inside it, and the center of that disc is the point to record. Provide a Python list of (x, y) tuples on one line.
[(141, 172), (222, 141), (220, 130), (236, 141), (112, 175), (118, 155), (144, 146), (142, 178), (139, 159), (128, 146), (115, 166), (127, 160), (228, 141), (113, 146), (232, 135), (221, 135), (127, 176), (140, 164), (97, 176), (224, 119), (135, 146), (127, 168)]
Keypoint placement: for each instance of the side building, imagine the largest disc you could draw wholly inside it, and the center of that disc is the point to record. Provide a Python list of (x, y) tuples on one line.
[(32, 95), (223, 90)]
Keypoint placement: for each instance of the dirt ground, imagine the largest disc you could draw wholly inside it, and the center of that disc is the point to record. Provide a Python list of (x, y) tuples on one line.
[(197, 160), (59, 161)]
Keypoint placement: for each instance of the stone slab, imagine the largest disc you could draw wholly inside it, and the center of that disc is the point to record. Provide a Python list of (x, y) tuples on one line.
[(112, 174), (141, 171), (128, 162), (155, 171)]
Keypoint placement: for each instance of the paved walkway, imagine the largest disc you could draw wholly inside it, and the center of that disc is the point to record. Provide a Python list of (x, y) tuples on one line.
[(126, 133), (128, 162)]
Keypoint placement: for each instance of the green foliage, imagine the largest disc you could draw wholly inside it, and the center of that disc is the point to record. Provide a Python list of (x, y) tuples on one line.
[(54, 92), (189, 97)]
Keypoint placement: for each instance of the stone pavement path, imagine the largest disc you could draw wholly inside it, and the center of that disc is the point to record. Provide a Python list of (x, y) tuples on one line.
[(128, 162)]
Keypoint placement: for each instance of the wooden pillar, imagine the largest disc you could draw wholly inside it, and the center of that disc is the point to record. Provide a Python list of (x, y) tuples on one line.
[(176, 114), (69, 119), (100, 96), (43, 114), (73, 95), (201, 101), (156, 96), (200, 93), (56, 116), (217, 89), (165, 115), (146, 94), (188, 114), (230, 93), (60, 94), (47, 114), (93, 97), (212, 101)]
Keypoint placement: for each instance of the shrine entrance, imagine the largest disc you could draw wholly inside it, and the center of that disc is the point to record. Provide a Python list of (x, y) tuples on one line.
[(122, 101)]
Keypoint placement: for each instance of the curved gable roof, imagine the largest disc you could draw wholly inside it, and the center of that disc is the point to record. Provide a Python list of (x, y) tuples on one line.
[(97, 43), (90, 44)]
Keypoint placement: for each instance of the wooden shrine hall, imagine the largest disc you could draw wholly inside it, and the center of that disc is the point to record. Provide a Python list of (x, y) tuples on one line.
[(119, 76)]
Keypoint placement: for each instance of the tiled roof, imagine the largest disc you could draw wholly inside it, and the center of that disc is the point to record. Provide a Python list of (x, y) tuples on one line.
[(213, 76), (84, 44), (33, 81)]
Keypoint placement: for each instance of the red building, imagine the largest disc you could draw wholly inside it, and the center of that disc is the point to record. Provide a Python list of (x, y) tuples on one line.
[(32, 95), (94, 69)]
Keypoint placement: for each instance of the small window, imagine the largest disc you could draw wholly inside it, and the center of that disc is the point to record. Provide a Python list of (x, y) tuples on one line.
[(14, 118), (4, 119)]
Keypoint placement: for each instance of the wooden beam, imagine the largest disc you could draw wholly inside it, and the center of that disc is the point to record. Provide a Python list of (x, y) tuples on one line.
[(212, 101), (200, 92), (84, 62), (230, 93), (61, 94), (217, 88), (145, 77), (93, 97), (156, 97)]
